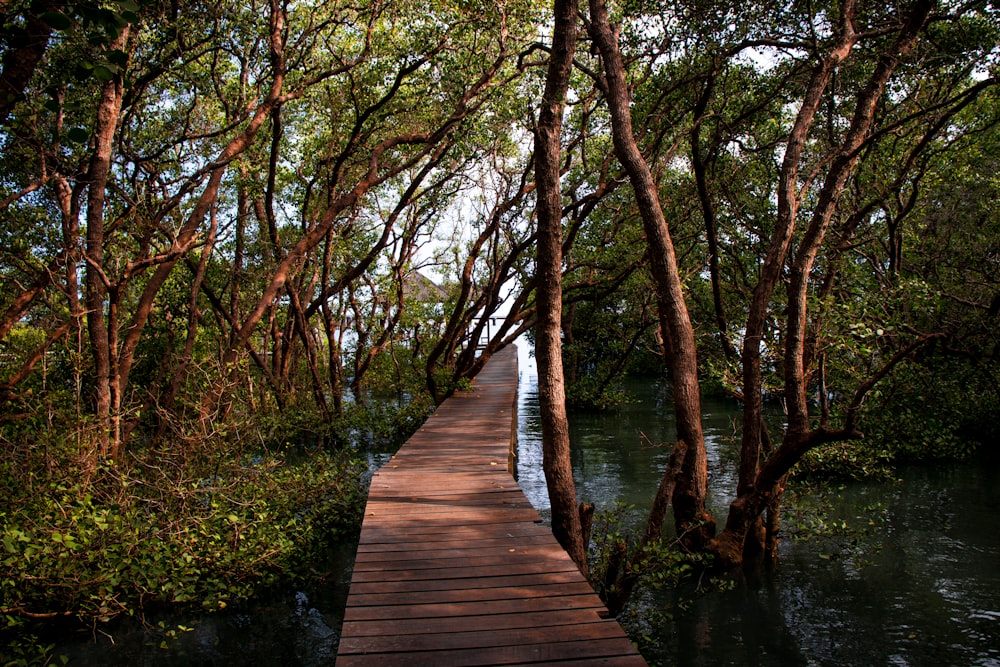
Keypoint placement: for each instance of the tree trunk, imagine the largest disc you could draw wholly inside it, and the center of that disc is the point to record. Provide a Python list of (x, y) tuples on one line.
[(566, 524), (764, 487), (770, 272), (690, 516), (108, 111), (836, 178)]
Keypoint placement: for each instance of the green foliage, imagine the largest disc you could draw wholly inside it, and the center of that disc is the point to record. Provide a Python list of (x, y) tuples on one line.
[(591, 393), (940, 409), (810, 514), (928, 411), (846, 460), (611, 322), (93, 544), (447, 383), (19, 344), (616, 554), (644, 584), (381, 425)]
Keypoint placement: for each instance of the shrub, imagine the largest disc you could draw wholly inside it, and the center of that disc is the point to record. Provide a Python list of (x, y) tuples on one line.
[(117, 539)]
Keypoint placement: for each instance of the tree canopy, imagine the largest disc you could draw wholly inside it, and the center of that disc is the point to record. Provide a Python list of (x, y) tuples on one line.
[(216, 214)]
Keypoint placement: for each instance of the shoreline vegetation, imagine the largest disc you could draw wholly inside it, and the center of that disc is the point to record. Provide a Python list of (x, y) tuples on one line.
[(85, 542), (228, 228), (203, 529)]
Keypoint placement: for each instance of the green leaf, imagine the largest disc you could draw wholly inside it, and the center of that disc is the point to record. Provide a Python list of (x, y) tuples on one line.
[(117, 57), (127, 5), (57, 20), (78, 135), (104, 73)]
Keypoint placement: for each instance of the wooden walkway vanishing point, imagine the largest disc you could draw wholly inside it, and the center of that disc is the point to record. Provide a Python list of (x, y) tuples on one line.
[(454, 566)]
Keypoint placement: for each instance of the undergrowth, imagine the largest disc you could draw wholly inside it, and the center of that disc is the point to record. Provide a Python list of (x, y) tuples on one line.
[(91, 542)]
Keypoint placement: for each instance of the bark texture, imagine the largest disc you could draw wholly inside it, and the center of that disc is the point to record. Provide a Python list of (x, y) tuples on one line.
[(566, 524), (25, 47), (102, 332), (691, 518), (759, 484)]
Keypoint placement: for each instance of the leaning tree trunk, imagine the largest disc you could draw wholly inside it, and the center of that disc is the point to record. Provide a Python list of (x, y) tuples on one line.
[(762, 487), (690, 516), (774, 261), (566, 524)]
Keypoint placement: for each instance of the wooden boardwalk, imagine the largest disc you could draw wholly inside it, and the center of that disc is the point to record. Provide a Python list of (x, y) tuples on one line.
[(454, 566)]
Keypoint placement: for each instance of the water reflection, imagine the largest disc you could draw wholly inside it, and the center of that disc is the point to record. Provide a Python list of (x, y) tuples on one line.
[(619, 455), (293, 628), (921, 587)]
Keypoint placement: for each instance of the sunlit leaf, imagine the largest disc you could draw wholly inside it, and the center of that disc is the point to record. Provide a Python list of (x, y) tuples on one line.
[(104, 73)]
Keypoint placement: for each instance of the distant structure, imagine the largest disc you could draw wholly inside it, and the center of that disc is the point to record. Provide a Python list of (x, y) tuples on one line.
[(420, 288)]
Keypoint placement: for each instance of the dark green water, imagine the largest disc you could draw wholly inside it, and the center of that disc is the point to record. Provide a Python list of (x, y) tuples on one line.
[(918, 586), (294, 628), (911, 575)]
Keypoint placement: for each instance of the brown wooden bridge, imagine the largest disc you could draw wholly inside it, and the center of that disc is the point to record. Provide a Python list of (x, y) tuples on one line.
[(454, 566)]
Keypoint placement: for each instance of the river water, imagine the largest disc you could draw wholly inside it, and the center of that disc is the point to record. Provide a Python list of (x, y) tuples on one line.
[(903, 573), (909, 576)]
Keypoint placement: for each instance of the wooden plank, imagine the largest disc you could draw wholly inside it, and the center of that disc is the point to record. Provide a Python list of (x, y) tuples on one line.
[(498, 562), (499, 570), (459, 640), (403, 510), (402, 486), (484, 498), (485, 624), (634, 660), (546, 555), (473, 607), (413, 545), (462, 551), (384, 531), (469, 517), (464, 594), (453, 566), (402, 514), (500, 655), (389, 534), (466, 584)]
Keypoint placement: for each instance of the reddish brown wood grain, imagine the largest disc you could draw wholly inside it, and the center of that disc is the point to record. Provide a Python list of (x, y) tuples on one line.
[(453, 565)]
